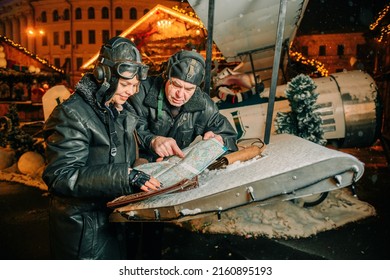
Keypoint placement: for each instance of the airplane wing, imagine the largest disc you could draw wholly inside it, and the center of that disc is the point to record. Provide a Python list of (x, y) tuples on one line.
[(250, 27)]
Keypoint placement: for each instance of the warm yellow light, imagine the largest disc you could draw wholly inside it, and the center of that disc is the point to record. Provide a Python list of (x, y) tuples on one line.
[(164, 23), (33, 32)]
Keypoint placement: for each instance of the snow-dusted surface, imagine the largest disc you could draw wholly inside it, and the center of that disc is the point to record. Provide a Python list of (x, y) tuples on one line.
[(285, 219), (278, 220), (284, 153), (32, 178), (23, 179)]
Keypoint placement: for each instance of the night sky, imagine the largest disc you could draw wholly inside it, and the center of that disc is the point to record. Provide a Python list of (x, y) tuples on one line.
[(339, 16)]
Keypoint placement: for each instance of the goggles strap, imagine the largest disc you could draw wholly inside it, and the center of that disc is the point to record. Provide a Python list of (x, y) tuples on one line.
[(160, 104)]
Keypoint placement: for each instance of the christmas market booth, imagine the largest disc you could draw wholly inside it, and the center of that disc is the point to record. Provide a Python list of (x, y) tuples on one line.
[(24, 78), (163, 31)]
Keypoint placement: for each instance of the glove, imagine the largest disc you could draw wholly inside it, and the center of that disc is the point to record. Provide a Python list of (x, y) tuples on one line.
[(137, 179)]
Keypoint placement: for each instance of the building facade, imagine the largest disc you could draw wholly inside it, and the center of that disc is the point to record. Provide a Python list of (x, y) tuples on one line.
[(337, 52), (68, 32)]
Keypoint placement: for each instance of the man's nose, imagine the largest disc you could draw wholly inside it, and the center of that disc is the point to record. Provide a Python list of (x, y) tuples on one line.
[(180, 91)]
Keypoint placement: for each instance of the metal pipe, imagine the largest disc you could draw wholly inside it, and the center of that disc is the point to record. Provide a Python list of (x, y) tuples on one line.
[(275, 69), (71, 45), (209, 45), (111, 19), (33, 22)]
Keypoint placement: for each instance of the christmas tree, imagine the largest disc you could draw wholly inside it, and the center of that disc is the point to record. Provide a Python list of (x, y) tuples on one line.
[(13, 136), (302, 120)]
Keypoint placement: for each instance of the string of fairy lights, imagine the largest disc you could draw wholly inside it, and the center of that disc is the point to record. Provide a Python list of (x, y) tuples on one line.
[(27, 52), (384, 29), (187, 13), (319, 66)]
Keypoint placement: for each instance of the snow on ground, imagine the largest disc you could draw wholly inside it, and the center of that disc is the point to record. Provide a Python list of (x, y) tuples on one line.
[(13, 175), (286, 219)]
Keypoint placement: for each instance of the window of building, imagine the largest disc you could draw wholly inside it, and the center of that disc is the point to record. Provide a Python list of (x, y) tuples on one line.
[(79, 37), (79, 62), (67, 64), (78, 14), (67, 37), (118, 13), (105, 36), (360, 51), (322, 51), (146, 11), (91, 13), (305, 50), (43, 17), (105, 13), (91, 37), (55, 15), (56, 38), (66, 14), (340, 49), (57, 62), (44, 40), (133, 13)]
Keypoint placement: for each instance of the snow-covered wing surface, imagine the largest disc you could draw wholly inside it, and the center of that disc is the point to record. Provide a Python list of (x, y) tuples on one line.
[(249, 25), (290, 167)]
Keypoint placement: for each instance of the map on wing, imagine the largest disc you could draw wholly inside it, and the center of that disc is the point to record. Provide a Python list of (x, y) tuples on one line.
[(177, 173), (175, 169)]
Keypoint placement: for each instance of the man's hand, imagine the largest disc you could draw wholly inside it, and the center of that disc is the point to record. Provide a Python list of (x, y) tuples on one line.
[(165, 147), (210, 134), (140, 181)]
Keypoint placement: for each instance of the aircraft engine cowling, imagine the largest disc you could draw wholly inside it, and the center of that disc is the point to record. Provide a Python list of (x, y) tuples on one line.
[(348, 102)]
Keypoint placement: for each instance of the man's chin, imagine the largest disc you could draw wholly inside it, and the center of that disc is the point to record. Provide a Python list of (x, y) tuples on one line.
[(177, 104)]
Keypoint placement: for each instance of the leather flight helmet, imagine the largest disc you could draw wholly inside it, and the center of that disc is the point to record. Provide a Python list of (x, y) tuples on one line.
[(119, 53), (188, 66)]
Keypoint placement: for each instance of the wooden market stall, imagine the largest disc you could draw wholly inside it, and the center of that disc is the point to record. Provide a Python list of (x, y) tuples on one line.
[(24, 78)]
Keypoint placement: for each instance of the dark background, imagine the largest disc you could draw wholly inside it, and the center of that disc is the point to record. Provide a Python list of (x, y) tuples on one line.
[(340, 16)]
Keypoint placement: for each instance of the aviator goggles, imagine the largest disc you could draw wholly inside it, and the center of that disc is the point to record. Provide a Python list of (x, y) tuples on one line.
[(128, 69)]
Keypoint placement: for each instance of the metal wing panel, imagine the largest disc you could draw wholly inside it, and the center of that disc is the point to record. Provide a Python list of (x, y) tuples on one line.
[(241, 26), (292, 167)]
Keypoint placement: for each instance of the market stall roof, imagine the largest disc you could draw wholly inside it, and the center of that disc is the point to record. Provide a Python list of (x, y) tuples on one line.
[(161, 32), (15, 57)]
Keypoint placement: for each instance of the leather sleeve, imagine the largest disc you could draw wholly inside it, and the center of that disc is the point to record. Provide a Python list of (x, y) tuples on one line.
[(68, 144), (219, 124)]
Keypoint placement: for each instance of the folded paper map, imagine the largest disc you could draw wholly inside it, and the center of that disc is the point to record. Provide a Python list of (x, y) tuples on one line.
[(174, 171)]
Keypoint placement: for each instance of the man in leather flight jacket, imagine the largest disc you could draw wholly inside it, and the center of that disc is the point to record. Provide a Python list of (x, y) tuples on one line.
[(173, 110)]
